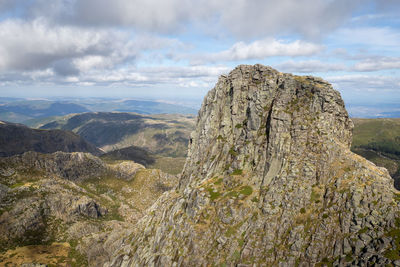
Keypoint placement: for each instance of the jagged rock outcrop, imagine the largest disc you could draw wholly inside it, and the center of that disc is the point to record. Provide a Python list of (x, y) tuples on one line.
[(270, 181), (31, 208)]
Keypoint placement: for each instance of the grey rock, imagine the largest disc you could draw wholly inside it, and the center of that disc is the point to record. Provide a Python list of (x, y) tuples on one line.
[(3, 191), (358, 246)]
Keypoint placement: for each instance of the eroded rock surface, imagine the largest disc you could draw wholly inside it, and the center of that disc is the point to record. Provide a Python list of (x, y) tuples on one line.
[(270, 180), (73, 198)]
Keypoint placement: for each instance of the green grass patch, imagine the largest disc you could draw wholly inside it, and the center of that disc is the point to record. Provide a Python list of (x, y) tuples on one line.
[(246, 190), (17, 185), (213, 194), (392, 254), (220, 138), (75, 258), (314, 196), (169, 164), (233, 152), (363, 230), (237, 172), (218, 182)]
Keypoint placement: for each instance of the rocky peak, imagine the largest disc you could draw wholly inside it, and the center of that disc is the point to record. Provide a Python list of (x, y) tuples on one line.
[(256, 117), (270, 181)]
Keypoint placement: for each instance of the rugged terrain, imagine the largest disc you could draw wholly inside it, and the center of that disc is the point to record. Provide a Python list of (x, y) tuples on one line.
[(17, 139), (165, 135), (270, 180), (52, 206), (156, 141), (378, 140)]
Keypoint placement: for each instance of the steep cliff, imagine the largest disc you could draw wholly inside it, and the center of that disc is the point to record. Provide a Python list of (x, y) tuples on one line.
[(270, 180)]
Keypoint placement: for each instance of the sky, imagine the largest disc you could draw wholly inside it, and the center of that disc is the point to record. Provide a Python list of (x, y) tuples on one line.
[(176, 49)]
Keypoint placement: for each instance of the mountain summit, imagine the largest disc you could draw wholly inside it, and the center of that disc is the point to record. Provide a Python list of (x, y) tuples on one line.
[(270, 180)]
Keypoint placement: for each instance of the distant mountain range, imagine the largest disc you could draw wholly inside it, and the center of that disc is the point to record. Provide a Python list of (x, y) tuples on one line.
[(156, 141), (28, 111), (166, 135), (16, 139)]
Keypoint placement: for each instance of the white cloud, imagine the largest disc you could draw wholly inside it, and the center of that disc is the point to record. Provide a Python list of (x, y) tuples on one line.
[(259, 50), (363, 82), (37, 45), (255, 19), (69, 50), (310, 66), (185, 76), (379, 38), (178, 76), (310, 18), (376, 64)]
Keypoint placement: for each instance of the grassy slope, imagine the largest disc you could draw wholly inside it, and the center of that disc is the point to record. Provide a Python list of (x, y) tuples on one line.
[(378, 140)]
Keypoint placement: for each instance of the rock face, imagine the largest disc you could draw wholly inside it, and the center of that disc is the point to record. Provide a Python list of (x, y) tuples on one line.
[(270, 180)]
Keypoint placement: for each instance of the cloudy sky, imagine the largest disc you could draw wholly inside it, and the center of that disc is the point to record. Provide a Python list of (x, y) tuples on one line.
[(175, 49)]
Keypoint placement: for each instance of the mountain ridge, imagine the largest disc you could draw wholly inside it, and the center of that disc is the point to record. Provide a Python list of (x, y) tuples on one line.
[(17, 139), (162, 134)]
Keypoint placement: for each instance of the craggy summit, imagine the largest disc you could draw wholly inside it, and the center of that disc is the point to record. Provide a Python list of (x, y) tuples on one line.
[(270, 180)]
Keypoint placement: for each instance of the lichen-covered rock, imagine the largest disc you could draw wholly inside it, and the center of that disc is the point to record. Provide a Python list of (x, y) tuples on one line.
[(270, 180)]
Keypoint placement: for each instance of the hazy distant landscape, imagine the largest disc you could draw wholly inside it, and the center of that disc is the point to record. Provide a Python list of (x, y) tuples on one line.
[(28, 111), (34, 112)]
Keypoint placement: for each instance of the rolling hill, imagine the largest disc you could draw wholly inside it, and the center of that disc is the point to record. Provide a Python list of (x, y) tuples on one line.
[(18, 139), (165, 135), (378, 140)]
